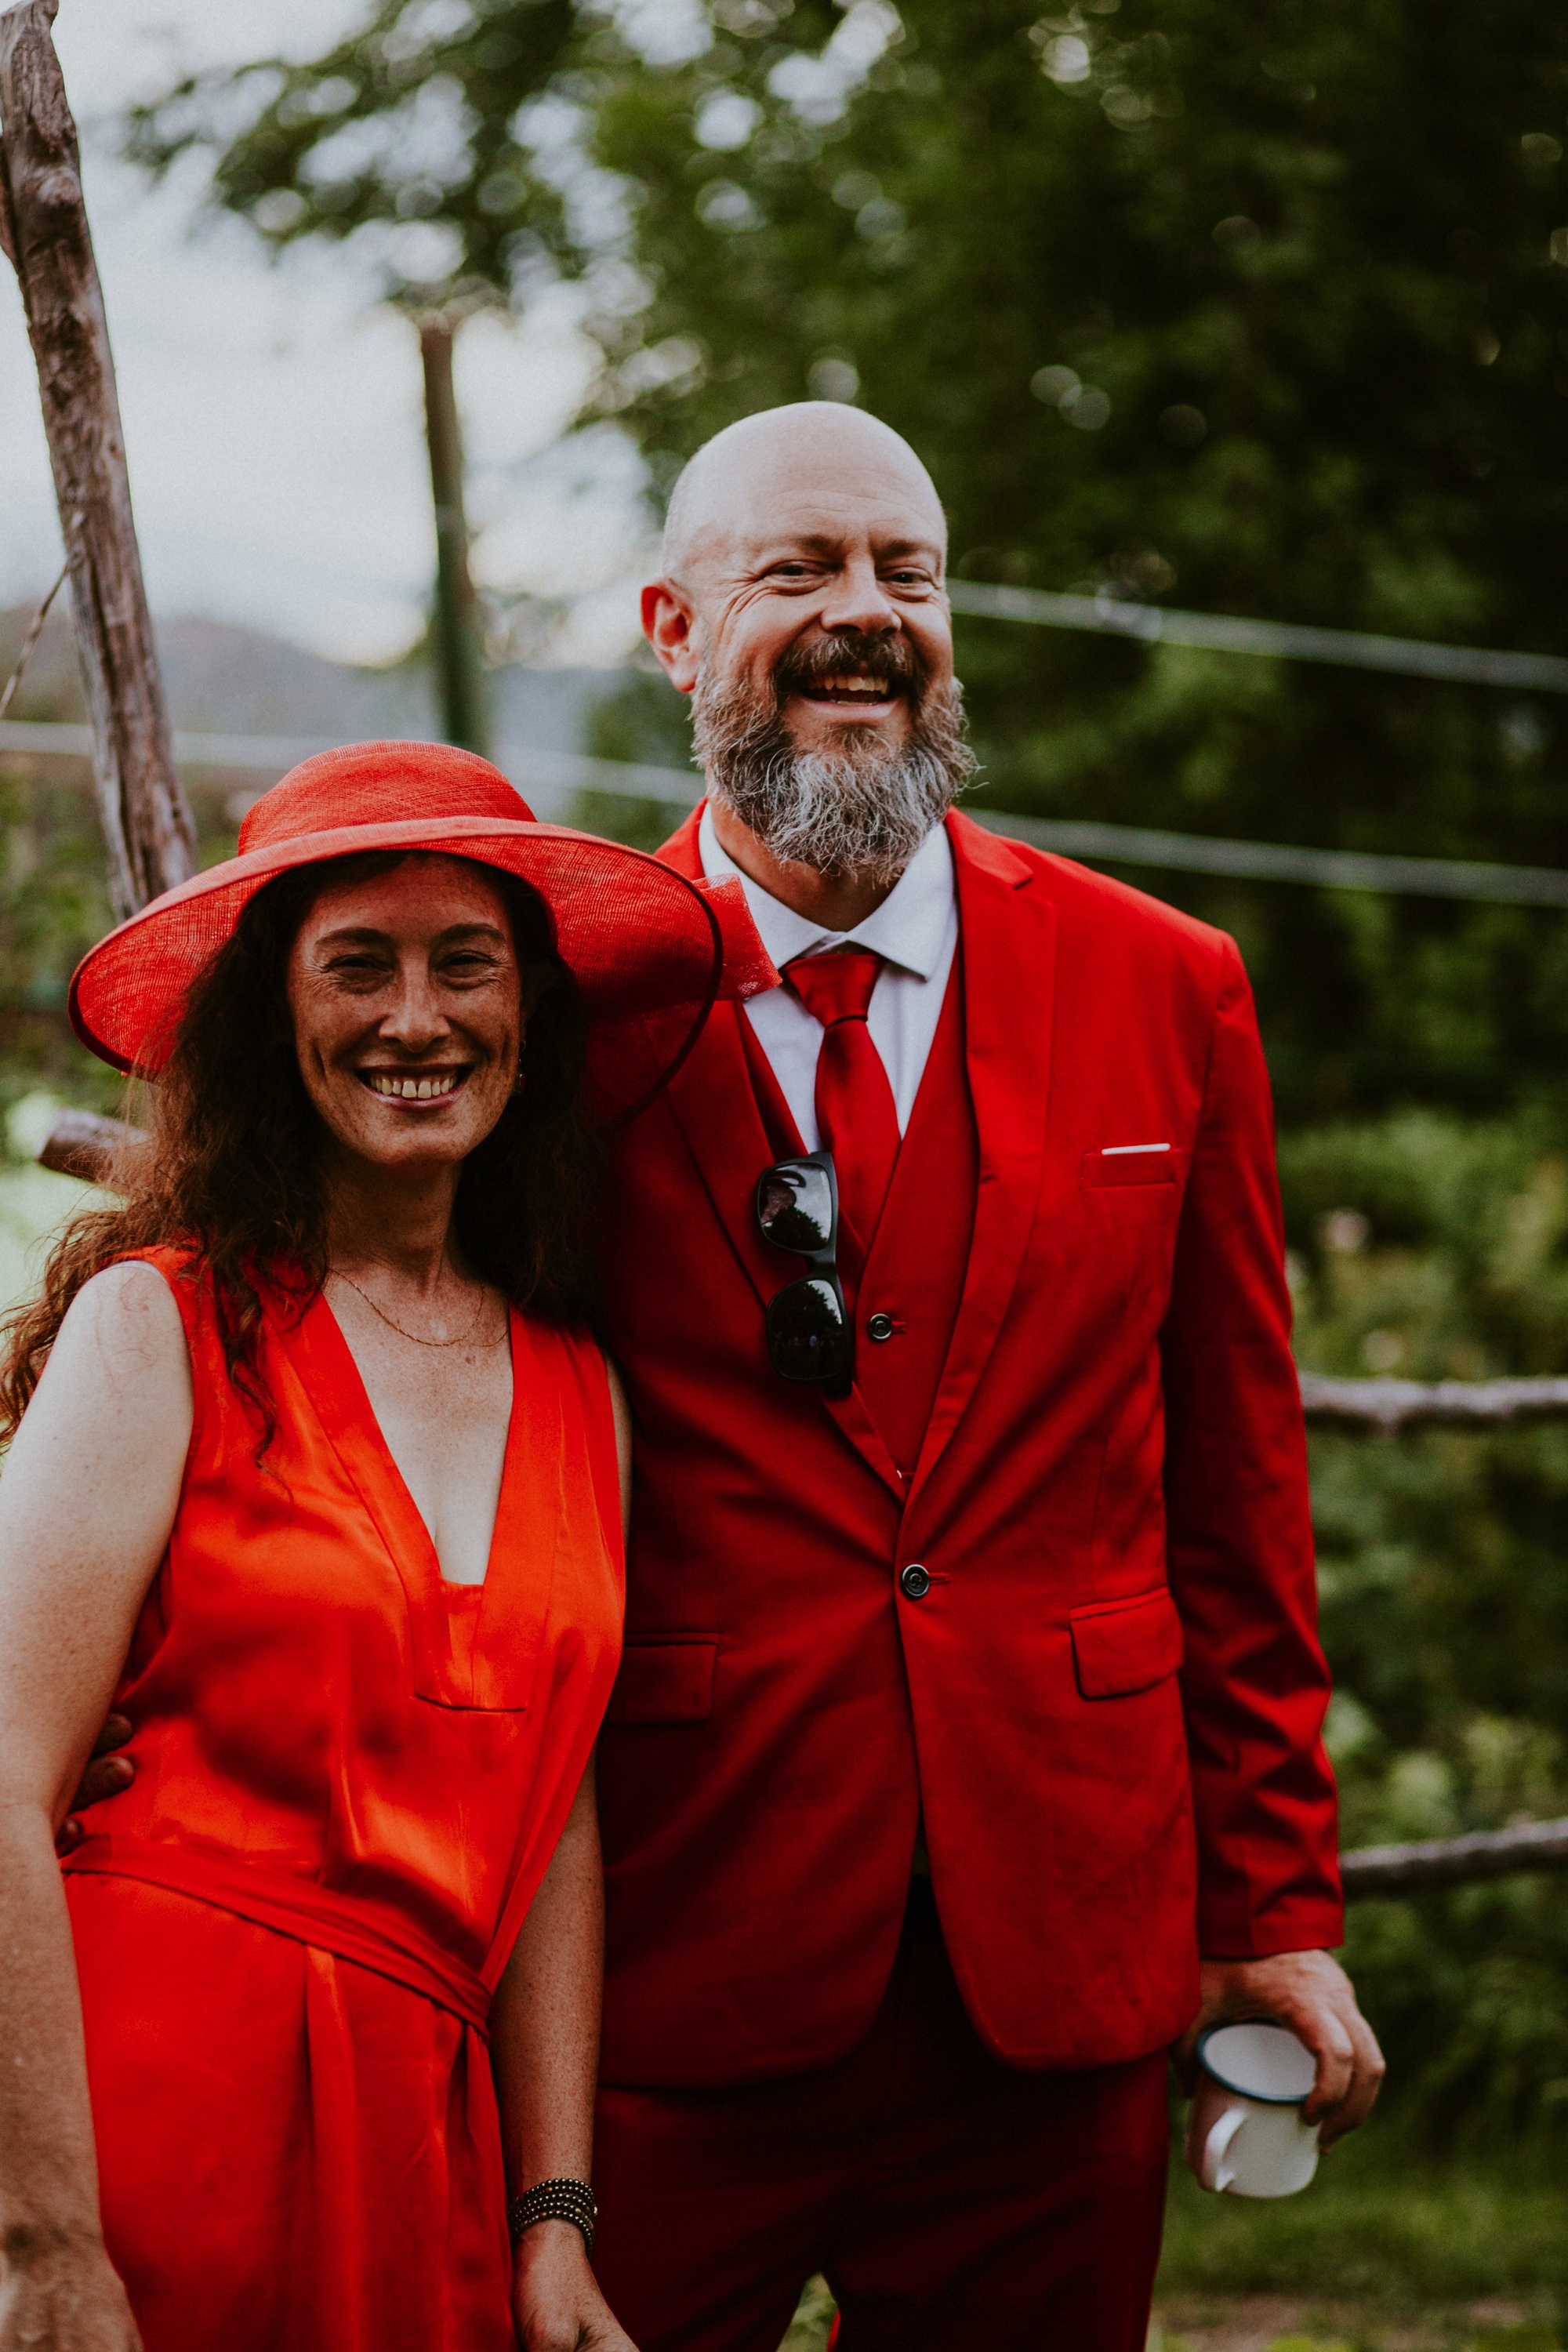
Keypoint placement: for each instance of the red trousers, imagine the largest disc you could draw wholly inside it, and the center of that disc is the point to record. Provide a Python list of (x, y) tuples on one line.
[(951, 2201)]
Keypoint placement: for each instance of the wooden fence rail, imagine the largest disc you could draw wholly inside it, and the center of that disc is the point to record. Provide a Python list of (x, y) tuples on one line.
[(1386, 1406), (1370, 1869)]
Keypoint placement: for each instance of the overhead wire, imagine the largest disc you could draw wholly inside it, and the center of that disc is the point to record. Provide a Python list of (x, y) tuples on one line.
[(552, 778)]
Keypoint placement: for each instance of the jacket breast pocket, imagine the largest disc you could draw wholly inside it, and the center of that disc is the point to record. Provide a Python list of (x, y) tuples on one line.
[(1121, 1646), (1157, 1165), (664, 1682)]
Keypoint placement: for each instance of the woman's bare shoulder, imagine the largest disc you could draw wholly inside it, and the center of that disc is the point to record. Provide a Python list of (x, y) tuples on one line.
[(122, 1326), (130, 1298)]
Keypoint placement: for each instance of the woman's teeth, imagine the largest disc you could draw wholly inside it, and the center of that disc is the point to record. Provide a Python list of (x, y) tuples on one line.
[(413, 1089)]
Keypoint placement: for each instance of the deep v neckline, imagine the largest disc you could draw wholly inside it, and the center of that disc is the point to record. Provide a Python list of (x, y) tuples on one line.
[(402, 1491), (473, 1644)]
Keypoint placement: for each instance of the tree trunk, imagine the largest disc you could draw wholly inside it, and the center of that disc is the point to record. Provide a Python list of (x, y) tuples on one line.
[(44, 228), (455, 631)]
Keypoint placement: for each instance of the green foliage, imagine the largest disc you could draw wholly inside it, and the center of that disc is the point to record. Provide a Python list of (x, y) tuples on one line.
[(1439, 1249), (813, 2322), (1265, 310), (53, 904), (1299, 265), (1379, 2226), (1297, 261), (412, 136)]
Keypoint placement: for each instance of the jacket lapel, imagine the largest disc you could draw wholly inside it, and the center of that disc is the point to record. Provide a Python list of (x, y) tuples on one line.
[(1007, 928), (715, 1105), (681, 850)]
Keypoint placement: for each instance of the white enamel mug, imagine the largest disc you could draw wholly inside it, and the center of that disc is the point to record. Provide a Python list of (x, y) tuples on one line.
[(1245, 2134)]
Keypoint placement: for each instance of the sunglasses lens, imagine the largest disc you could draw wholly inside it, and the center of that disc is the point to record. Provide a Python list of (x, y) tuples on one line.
[(794, 1208), (808, 1336)]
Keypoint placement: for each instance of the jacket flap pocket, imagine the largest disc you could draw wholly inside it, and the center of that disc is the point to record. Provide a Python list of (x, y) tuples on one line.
[(664, 1682), (1157, 1164), (1119, 1646)]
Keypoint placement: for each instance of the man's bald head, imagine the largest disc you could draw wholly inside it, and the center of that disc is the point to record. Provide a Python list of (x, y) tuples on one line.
[(803, 609), (815, 454)]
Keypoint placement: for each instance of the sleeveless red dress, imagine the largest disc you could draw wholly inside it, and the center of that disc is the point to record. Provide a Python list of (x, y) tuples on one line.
[(351, 1776)]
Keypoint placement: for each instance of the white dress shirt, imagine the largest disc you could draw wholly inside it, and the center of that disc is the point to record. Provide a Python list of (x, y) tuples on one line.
[(915, 929)]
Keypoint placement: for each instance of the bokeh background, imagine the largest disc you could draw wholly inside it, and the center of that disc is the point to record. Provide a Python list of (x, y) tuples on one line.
[(1254, 308)]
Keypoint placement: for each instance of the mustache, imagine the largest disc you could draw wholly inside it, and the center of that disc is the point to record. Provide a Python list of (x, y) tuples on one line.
[(890, 657)]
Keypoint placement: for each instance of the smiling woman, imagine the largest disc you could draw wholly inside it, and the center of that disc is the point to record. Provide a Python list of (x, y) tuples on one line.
[(314, 1479)]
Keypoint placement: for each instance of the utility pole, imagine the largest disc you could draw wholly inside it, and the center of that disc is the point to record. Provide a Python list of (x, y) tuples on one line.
[(455, 632), (45, 234)]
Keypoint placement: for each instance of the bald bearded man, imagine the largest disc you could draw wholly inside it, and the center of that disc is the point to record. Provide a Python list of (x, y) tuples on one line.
[(966, 1751)]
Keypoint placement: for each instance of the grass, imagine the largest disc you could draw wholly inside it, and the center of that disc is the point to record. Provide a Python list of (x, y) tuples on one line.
[(1387, 2252), (1379, 2225)]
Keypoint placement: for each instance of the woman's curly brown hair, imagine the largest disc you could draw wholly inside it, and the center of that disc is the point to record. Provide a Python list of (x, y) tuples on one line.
[(232, 1168)]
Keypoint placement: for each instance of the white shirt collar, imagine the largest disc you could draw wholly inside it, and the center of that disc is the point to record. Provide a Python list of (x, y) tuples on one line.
[(909, 928)]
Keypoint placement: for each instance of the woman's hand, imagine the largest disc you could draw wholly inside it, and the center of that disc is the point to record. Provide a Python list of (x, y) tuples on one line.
[(63, 2298), (555, 2298)]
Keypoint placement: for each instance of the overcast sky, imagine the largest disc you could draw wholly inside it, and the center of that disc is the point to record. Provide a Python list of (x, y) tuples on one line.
[(273, 415)]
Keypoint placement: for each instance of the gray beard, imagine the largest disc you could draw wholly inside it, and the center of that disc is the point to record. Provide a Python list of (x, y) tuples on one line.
[(862, 809)]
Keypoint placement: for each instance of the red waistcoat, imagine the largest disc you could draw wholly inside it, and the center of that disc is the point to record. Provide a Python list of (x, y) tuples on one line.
[(1108, 1697), (915, 1276)]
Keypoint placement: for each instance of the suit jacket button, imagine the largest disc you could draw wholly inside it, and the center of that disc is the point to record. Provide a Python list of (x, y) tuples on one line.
[(879, 1327), (915, 1582)]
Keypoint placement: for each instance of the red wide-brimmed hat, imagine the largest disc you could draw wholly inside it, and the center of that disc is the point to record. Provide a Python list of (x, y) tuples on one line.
[(649, 950)]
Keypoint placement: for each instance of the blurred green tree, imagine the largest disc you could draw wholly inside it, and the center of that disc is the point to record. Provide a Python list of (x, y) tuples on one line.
[(405, 137), (1265, 312), (410, 139)]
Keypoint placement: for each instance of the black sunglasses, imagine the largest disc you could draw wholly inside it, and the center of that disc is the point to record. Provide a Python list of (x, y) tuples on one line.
[(810, 1338)]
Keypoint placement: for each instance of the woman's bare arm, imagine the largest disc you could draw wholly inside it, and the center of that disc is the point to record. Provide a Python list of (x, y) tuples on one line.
[(87, 1501), (544, 2041)]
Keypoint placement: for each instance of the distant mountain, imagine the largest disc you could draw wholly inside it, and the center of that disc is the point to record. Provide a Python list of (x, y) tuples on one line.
[(223, 681)]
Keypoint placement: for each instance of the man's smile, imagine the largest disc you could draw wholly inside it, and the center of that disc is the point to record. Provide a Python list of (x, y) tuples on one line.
[(854, 687)]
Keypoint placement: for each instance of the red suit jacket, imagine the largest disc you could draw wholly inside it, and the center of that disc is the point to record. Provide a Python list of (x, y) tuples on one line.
[(1108, 1705)]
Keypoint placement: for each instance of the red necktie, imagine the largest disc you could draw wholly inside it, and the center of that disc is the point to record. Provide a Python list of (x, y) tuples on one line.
[(856, 1116)]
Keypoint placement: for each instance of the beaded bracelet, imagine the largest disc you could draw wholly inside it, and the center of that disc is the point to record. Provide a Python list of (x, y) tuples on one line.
[(554, 2201)]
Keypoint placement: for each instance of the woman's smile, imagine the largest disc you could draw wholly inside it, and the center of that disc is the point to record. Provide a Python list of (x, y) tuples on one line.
[(417, 1088)]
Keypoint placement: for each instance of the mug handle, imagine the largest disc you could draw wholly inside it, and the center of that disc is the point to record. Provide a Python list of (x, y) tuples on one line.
[(1215, 2172)]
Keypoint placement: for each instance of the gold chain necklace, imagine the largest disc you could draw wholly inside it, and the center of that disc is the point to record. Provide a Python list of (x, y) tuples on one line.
[(414, 1335)]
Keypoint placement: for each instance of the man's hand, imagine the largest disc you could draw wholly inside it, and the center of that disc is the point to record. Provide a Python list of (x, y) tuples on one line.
[(555, 2298), (1310, 1993), (106, 1775)]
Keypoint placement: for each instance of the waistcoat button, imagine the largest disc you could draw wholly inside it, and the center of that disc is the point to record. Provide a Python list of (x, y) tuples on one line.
[(879, 1327), (915, 1582)]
